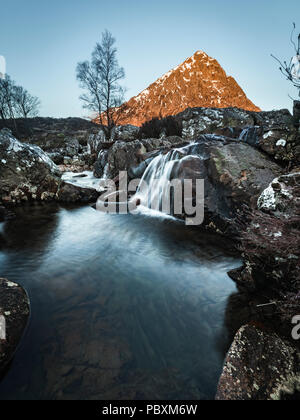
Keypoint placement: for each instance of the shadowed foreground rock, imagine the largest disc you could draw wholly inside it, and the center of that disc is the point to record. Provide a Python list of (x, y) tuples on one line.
[(259, 366), (69, 193), (15, 308), (26, 172)]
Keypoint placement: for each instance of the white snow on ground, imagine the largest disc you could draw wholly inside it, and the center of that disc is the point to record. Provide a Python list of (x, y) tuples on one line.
[(281, 143), (267, 200), (186, 65)]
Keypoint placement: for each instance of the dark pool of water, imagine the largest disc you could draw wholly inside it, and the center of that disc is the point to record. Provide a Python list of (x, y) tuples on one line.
[(123, 306)]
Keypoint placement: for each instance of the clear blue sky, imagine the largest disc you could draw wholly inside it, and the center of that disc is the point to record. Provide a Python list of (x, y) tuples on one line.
[(43, 40)]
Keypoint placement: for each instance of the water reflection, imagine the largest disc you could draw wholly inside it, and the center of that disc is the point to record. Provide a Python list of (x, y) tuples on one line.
[(123, 307)]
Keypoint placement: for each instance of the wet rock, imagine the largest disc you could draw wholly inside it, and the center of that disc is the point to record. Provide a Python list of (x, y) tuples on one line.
[(72, 193), (251, 135), (26, 172), (2, 214), (56, 157), (96, 141), (259, 366), (123, 156), (234, 174), (14, 313), (119, 158), (101, 165)]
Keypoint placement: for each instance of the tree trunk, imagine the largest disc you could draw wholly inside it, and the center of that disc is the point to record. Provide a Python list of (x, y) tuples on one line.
[(297, 113)]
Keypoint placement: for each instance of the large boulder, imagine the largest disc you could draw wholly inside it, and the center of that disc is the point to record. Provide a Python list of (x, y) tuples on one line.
[(79, 188), (96, 142), (259, 366), (26, 172), (125, 133), (58, 149), (99, 141), (71, 193), (14, 313), (118, 158)]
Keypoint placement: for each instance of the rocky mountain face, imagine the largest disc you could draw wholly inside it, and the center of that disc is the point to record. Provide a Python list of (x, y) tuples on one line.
[(198, 82)]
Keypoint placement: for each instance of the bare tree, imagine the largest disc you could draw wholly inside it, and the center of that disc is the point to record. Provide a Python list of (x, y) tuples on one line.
[(7, 98), (16, 102), (291, 69), (100, 79), (26, 105)]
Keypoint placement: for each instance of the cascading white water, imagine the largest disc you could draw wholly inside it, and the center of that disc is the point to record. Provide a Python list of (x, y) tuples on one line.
[(154, 183), (250, 135), (154, 188)]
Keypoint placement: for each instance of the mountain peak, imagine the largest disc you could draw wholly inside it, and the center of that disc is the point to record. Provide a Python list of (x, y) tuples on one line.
[(199, 81)]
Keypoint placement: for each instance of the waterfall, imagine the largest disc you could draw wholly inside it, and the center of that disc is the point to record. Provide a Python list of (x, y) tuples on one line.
[(153, 189), (251, 135)]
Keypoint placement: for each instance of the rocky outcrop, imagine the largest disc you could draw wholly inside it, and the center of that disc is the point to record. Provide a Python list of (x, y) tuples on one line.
[(234, 173), (26, 172), (270, 245), (199, 81), (197, 121), (282, 197), (14, 313), (259, 366), (97, 142), (64, 140), (273, 132), (122, 156), (271, 241)]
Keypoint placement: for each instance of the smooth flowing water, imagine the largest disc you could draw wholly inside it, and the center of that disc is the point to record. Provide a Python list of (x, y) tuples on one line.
[(123, 306)]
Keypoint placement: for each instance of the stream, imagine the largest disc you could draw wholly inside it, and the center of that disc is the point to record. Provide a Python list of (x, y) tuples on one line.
[(122, 306)]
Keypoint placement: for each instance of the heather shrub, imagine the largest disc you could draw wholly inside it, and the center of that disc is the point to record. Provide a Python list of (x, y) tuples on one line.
[(158, 127)]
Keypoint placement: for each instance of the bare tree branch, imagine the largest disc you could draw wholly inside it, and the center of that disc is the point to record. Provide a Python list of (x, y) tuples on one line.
[(292, 70), (100, 79)]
